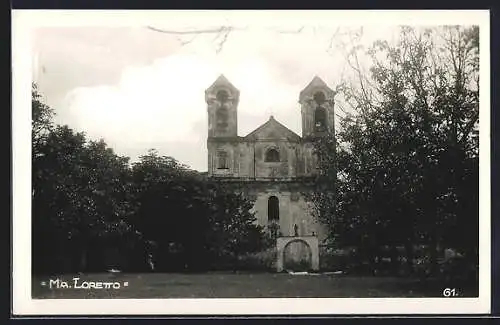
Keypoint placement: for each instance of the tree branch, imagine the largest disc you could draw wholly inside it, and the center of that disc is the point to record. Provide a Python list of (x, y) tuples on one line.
[(291, 31), (469, 127), (190, 32), (221, 32)]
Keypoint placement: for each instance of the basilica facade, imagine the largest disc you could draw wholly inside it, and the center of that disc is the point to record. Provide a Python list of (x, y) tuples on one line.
[(272, 164)]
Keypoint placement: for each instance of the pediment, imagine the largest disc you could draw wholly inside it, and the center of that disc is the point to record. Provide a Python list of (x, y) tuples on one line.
[(273, 130)]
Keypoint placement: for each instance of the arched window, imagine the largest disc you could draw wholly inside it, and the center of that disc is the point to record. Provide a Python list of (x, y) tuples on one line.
[(222, 116), (222, 96), (222, 160), (273, 209), (319, 97), (320, 119), (272, 155)]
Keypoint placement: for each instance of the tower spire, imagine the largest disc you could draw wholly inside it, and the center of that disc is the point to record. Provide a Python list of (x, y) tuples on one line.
[(317, 108), (222, 100)]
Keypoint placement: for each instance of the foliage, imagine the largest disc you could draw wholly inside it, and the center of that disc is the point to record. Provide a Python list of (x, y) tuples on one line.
[(403, 168), (402, 172), (92, 210), (264, 261), (41, 119), (79, 197), (195, 222)]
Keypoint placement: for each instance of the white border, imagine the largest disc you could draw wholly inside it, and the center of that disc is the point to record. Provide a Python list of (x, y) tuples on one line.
[(23, 21)]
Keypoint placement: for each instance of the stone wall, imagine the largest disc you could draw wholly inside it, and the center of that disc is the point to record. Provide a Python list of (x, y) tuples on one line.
[(247, 159), (293, 208), (296, 253), (245, 156)]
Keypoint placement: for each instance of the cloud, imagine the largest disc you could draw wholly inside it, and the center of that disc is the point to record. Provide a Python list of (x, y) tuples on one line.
[(137, 88), (71, 57)]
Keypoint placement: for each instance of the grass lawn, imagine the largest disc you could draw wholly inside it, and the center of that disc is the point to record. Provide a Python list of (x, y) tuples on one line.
[(240, 285)]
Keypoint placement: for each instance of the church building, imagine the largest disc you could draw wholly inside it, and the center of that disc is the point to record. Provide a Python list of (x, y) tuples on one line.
[(273, 164)]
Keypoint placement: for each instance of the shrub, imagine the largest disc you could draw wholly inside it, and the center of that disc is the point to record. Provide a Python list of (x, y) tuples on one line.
[(336, 259), (260, 261)]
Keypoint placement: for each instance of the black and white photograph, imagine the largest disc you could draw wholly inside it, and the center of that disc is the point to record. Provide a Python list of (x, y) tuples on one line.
[(241, 162)]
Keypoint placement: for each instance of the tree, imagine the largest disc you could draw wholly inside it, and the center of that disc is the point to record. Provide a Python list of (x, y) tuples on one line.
[(41, 118), (80, 195), (92, 210), (194, 223), (405, 162), (233, 229)]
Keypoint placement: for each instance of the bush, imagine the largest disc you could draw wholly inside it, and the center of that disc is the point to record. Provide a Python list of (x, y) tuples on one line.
[(336, 259), (264, 261), (458, 268)]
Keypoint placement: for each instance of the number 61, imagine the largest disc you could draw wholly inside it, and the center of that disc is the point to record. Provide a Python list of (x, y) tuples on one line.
[(449, 292)]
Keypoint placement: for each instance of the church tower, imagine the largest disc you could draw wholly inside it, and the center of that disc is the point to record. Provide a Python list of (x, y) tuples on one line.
[(222, 103), (317, 109)]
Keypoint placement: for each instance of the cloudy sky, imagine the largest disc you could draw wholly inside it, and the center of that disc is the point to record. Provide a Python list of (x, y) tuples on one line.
[(138, 88)]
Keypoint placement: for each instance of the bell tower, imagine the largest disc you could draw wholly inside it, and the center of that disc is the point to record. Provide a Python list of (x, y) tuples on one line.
[(317, 109), (222, 102)]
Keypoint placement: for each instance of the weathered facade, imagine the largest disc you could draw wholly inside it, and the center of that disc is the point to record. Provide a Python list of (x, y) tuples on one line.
[(274, 164)]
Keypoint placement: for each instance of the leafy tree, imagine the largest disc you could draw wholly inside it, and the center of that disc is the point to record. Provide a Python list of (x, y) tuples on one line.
[(403, 168), (193, 222), (233, 228), (81, 197), (41, 118)]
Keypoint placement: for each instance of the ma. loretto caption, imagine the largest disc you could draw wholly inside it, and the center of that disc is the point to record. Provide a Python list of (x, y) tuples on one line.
[(77, 283)]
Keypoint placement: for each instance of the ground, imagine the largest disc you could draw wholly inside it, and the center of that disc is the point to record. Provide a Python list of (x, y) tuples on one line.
[(241, 285)]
